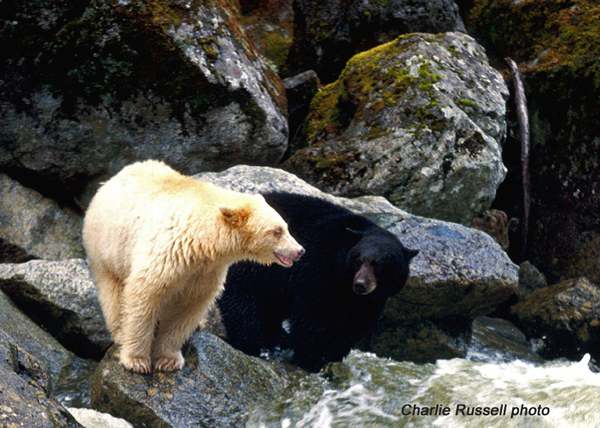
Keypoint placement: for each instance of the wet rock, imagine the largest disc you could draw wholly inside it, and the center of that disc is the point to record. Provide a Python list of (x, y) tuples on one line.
[(496, 340), (422, 342), (494, 223), (216, 388), (328, 33), (61, 297), (88, 88), (33, 226), (419, 120), (460, 272), (30, 337), (25, 391), (565, 315), (530, 279), (300, 90)]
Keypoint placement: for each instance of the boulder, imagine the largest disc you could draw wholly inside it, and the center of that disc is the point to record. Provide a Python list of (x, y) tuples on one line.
[(530, 279), (423, 341), (216, 388), (300, 90), (35, 226), (270, 24), (494, 223), (565, 315), (90, 87), (328, 33), (556, 46), (460, 273), (496, 340), (419, 120), (30, 337), (61, 297), (25, 399)]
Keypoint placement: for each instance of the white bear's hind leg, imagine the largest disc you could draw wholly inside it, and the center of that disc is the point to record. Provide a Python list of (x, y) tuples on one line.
[(109, 294)]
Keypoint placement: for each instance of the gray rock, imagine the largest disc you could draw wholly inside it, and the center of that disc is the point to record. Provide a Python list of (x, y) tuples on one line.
[(328, 33), (496, 340), (423, 341), (460, 272), (60, 296), (89, 89), (565, 315), (419, 120), (530, 279), (38, 226), (25, 392), (30, 337), (300, 90), (216, 388)]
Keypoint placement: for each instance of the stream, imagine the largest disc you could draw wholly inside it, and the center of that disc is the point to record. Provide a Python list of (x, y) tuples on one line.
[(379, 392), (371, 392)]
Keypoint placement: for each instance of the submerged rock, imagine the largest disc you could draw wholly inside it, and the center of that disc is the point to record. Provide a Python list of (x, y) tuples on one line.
[(61, 297), (38, 226), (565, 315), (90, 87), (419, 120), (216, 388), (327, 33), (25, 399)]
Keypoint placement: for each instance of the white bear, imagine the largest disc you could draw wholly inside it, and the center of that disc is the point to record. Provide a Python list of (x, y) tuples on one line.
[(159, 245)]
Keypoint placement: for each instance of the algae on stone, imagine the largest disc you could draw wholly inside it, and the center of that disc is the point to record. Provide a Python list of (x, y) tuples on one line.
[(419, 120)]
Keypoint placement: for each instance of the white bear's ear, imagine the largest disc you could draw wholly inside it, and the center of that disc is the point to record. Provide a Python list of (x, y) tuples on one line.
[(235, 216), (258, 197)]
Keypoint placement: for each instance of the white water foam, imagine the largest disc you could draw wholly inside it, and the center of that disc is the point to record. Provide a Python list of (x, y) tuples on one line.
[(380, 393)]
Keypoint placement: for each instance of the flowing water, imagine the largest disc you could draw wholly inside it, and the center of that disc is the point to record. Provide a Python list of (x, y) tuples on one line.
[(372, 392), (377, 392)]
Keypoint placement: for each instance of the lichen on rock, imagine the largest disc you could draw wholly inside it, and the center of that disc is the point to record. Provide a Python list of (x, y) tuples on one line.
[(419, 120)]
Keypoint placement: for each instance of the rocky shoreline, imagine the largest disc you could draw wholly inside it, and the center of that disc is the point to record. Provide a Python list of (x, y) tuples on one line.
[(390, 110)]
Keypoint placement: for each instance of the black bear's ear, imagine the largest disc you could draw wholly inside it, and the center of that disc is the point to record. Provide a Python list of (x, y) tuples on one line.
[(355, 232), (409, 254)]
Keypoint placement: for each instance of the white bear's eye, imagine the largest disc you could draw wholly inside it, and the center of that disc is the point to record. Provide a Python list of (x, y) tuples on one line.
[(277, 232)]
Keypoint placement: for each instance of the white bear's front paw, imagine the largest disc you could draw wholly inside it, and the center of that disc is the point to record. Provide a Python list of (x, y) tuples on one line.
[(136, 364), (169, 362)]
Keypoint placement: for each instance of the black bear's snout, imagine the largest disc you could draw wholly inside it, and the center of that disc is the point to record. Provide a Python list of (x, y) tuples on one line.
[(364, 280)]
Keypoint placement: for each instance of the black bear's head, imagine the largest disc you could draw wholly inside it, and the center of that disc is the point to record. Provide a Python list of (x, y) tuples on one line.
[(378, 261)]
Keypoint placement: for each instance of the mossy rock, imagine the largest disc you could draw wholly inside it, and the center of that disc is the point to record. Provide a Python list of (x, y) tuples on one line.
[(557, 46), (90, 87), (419, 120)]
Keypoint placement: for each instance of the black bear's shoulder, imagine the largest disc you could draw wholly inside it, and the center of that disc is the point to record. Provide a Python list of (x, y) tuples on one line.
[(319, 214)]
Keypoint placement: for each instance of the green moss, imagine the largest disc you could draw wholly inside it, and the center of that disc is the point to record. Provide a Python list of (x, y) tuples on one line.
[(465, 102), (372, 81)]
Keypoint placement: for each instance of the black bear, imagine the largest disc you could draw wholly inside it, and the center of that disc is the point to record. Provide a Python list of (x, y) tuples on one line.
[(330, 299)]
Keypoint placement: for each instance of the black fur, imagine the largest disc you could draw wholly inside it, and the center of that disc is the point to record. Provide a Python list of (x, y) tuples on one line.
[(321, 298)]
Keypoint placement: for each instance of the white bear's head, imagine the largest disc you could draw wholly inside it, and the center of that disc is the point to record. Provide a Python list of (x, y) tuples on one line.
[(264, 234)]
